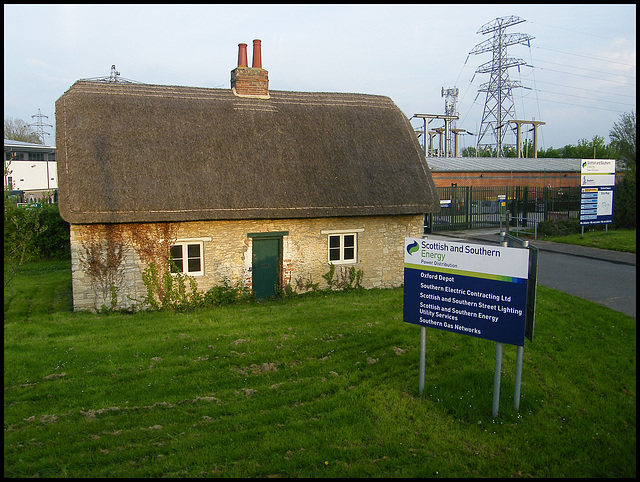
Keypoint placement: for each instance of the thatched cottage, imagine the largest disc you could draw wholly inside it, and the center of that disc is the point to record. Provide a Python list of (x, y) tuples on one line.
[(247, 185)]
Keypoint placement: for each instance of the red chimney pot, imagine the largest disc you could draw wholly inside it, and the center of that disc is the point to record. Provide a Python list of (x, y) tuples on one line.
[(242, 55), (257, 55)]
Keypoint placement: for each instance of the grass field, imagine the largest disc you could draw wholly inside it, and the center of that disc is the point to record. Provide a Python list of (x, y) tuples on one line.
[(311, 386), (618, 239)]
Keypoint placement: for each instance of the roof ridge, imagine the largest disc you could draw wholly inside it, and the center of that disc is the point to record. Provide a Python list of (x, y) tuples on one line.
[(280, 95)]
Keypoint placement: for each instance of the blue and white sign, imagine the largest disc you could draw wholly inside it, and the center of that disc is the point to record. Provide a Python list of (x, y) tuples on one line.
[(465, 288), (598, 177)]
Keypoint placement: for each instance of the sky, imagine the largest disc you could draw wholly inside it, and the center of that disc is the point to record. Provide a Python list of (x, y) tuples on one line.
[(579, 75)]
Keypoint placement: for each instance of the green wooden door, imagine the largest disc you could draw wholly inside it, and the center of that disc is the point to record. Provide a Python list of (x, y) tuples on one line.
[(265, 266)]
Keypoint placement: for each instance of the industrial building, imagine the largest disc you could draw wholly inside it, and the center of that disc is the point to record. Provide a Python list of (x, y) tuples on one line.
[(506, 172), (30, 170)]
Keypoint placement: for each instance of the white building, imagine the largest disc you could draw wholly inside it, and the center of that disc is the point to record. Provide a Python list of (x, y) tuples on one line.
[(32, 169)]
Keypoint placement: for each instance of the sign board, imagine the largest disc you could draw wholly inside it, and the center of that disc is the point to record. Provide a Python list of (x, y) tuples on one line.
[(465, 288), (597, 179)]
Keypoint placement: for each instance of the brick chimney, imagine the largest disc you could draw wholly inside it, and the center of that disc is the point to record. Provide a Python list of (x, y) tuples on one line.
[(250, 81)]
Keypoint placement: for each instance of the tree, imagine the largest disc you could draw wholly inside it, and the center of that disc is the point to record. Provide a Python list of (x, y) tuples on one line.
[(468, 152), (587, 149), (551, 152), (623, 146), (623, 141), (19, 130)]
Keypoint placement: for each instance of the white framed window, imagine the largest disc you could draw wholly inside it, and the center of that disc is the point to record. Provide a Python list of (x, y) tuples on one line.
[(342, 245), (343, 248), (188, 258)]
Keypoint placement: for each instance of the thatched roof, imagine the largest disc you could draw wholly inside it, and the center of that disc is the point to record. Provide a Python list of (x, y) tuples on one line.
[(147, 153)]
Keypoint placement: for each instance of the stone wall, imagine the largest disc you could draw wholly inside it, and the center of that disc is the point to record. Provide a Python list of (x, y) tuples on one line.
[(228, 254)]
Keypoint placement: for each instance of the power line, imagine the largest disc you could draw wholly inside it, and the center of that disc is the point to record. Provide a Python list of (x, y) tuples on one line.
[(574, 31), (581, 105), (588, 90), (599, 101), (585, 76), (585, 56), (581, 97), (474, 103), (584, 68), (555, 101)]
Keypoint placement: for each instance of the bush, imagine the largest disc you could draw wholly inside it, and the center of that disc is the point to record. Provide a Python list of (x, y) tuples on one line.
[(559, 227), (224, 295), (166, 290), (21, 227), (169, 291), (53, 243)]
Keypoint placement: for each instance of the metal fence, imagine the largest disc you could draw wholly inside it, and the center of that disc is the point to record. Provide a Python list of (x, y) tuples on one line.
[(468, 207)]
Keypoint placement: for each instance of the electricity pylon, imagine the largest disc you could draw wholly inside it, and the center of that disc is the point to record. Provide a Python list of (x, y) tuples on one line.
[(499, 107), (39, 125)]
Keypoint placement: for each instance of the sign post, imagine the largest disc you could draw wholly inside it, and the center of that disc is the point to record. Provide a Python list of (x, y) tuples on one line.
[(496, 380), (471, 289), (508, 240), (423, 351), (518, 380)]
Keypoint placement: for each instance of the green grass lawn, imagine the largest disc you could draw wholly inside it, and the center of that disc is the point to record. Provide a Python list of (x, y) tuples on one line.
[(310, 386), (617, 240)]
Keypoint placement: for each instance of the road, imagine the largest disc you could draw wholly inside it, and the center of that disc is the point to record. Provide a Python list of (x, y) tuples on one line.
[(602, 276), (603, 282)]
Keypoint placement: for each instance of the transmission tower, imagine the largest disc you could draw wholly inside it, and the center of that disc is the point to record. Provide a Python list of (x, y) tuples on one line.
[(39, 125), (499, 107)]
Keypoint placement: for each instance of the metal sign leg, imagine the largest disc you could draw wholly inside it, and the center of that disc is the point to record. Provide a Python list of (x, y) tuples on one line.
[(496, 380), (423, 349), (516, 393)]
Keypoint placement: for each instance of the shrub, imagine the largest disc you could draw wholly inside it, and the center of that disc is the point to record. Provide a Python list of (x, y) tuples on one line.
[(224, 295), (53, 243), (345, 279), (50, 240), (168, 290), (21, 227), (558, 227)]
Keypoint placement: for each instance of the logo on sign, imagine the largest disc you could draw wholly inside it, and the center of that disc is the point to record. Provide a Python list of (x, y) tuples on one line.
[(413, 247)]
